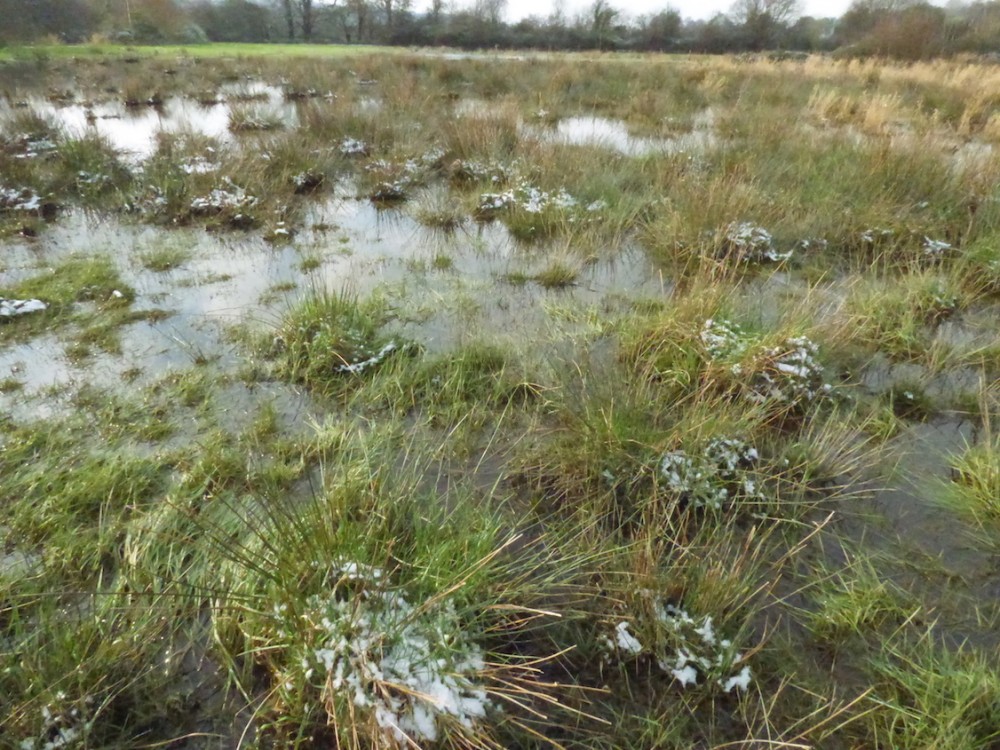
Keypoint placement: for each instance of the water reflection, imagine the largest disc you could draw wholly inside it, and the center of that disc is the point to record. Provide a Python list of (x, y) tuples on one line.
[(134, 130)]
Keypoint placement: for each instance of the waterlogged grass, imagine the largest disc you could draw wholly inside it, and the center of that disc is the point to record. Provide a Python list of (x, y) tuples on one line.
[(560, 444), (333, 338)]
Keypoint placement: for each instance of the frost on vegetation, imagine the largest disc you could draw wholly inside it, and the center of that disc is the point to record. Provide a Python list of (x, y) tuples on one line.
[(231, 197), (812, 244), (280, 232), (789, 373), (307, 181), (744, 242), (10, 308), (393, 180), (935, 248), (432, 158), (353, 147), (20, 199), (723, 340), (29, 146), (390, 191), (471, 170), (94, 179), (720, 472), (396, 178), (198, 165), (337, 348), (527, 198), (685, 647), (152, 202), (375, 359), (874, 237), (375, 656), (63, 726)]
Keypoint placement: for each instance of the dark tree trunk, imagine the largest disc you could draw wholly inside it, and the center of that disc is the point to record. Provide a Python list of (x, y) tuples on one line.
[(290, 20), (307, 19)]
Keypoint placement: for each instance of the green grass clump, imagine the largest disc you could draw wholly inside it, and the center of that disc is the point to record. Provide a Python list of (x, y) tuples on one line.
[(458, 387), (331, 338), (164, 258), (92, 169), (376, 587), (70, 500), (975, 487), (931, 696), (898, 315), (101, 671), (81, 279), (857, 603), (86, 295)]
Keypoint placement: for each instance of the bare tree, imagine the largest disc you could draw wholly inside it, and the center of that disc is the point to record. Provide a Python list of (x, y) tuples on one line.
[(490, 12), (602, 19), (779, 11), (354, 20), (301, 13), (761, 19), (389, 10), (289, 19)]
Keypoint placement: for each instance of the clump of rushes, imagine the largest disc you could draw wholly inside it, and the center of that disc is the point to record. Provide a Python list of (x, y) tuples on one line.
[(385, 619), (245, 118), (437, 208), (91, 169), (975, 486), (28, 142), (781, 376), (391, 182), (229, 204), (467, 385), (558, 273), (329, 337), (745, 242), (927, 695), (857, 603), (898, 315)]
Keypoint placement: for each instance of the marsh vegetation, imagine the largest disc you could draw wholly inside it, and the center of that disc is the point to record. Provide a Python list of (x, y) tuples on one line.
[(395, 401)]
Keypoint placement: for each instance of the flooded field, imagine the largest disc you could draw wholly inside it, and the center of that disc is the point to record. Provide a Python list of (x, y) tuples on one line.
[(420, 401)]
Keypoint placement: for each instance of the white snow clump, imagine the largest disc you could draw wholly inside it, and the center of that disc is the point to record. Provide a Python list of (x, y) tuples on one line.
[(692, 652), (407, 666)]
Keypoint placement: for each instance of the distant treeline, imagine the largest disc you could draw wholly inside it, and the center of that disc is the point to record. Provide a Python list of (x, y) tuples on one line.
[(905, 29)]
